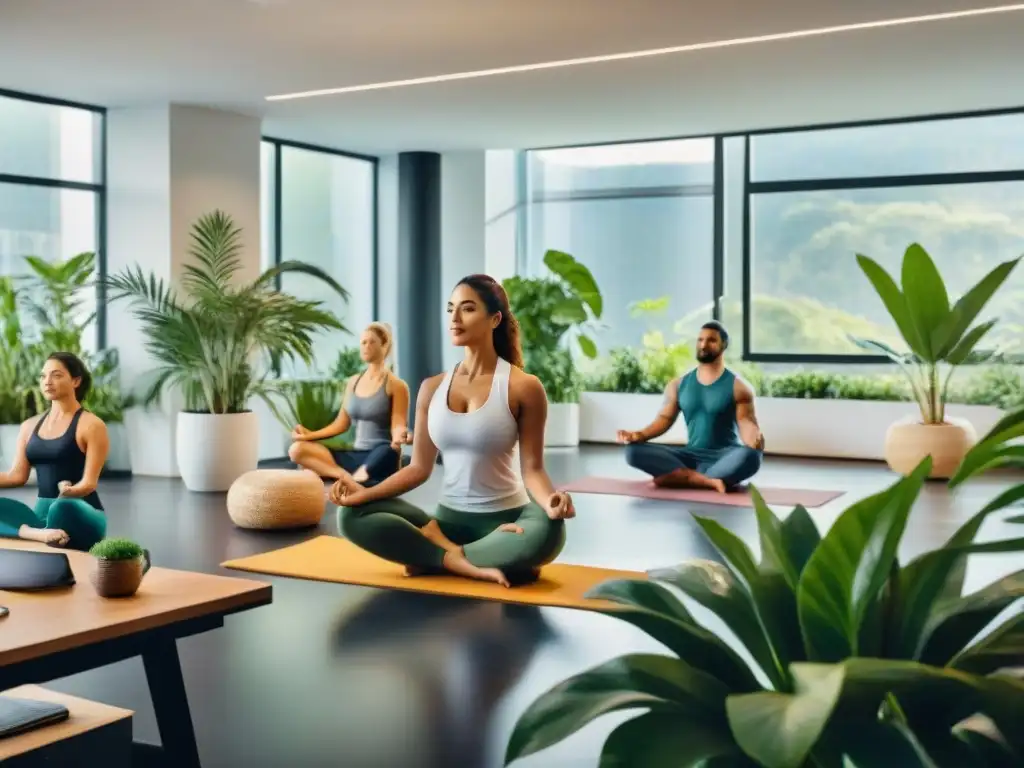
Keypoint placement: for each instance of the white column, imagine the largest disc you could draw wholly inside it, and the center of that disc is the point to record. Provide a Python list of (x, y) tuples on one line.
[(463, 247), (167, 166)]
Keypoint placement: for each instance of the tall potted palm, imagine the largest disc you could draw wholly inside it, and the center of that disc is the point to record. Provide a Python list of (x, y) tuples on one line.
[(217, 343), (551, 311), (939, 339)]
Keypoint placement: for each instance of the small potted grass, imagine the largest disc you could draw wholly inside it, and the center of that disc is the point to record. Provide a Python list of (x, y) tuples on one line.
[(118, 568)]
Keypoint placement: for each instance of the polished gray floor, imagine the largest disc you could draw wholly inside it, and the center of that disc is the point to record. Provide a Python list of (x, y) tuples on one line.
[(332, 675)]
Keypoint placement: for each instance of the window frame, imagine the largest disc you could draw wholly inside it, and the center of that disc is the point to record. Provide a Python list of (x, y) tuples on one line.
[(99, 188), (751, 188), (277, 205)]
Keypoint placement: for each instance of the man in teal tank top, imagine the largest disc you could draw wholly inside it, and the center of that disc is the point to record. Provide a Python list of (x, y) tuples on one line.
[(725, 445)]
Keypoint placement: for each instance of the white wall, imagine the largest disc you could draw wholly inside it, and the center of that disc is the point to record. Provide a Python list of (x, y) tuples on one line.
[(168, 165)]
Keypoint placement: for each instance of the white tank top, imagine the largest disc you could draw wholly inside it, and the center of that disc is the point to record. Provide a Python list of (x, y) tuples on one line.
[(480, 449)]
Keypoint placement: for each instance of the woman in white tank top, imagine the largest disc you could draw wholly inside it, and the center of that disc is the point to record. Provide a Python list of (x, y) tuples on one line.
[(487, 418)]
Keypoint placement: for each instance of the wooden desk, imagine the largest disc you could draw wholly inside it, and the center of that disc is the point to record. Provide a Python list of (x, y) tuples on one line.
[(57, 633)]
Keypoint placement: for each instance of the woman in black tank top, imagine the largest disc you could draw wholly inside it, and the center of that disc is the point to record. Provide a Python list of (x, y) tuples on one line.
[(67, 446)]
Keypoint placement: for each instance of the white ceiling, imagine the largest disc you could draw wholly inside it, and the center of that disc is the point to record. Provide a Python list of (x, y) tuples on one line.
[(234, 53)]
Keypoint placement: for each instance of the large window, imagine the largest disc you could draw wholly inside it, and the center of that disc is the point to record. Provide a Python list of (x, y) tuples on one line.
[(818, 198), (319, 207), (641, 217), (51, 187)]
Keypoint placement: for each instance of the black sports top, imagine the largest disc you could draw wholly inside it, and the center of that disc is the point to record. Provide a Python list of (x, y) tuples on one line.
[(57, 460)]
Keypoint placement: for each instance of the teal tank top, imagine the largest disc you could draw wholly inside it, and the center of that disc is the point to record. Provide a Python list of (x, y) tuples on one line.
[(709, 411)]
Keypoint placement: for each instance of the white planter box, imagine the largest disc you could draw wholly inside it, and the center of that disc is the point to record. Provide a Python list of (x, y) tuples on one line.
[(563, 425), (842, 429), (215, 450), (602, 414)]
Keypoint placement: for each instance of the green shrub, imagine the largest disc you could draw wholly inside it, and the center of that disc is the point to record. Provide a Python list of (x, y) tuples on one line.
[(347, 364), (557, 371), (116, 549)]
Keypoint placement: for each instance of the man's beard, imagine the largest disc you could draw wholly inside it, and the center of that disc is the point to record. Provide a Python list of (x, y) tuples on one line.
[(708, 356)]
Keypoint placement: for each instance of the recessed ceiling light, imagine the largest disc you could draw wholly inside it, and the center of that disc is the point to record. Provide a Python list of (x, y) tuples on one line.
[(653, 52)]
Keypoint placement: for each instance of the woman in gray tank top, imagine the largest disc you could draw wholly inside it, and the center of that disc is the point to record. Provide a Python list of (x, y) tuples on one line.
[(377, 403)]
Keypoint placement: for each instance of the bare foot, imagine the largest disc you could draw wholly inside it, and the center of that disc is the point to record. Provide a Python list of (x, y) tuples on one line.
[(717, 485), (55, 537), (432, 532), (415, 570), (361, 475), (459, 565)]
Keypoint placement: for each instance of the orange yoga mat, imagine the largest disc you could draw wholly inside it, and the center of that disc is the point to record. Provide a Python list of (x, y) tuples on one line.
[(329, 558)]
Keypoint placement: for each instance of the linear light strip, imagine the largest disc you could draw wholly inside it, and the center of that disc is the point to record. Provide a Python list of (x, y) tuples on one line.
[(932, 17)]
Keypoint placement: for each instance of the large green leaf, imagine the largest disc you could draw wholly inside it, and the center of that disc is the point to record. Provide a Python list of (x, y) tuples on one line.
[(936, 697), (954, 624), (780, 729), (895, 303), (666, 740), (715, 587), (970, 305), (732, 547), (844, 576), (587, 346), (926, 297), (936, 578), (1001, 648), (655, 610), (959, 354), (800, 537), (1009, 427), (637, 681), (988, 457), (774, 553), (578, 276), (569, 312)]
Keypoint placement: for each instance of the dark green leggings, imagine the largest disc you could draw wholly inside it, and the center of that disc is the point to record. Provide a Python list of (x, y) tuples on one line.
[(390, 529), (83, 523)]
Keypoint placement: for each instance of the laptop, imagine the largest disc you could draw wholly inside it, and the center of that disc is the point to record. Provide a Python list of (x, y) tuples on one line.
[(21, 715), (26, 570)]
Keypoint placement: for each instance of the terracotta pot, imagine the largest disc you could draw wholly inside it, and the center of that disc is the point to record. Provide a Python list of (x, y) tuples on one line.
[(909, 440), (119, 578)]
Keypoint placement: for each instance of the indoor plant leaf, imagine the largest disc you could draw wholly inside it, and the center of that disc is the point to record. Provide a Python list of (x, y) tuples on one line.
[(655, 610), (926, 297), (1001, 648), (637, 681), (732, 548), (714, 586), (587, 346), (800, 537), (895, 303), (779, 730), (954, 624), (875, 743), (578, 276), (932, 578), (569, 312), (1009, 427), (669, 740), (848, 569), (963, 349), (774, 554), (969, 306)]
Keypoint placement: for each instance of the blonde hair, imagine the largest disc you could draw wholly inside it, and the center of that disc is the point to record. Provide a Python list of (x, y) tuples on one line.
[(387, 340)]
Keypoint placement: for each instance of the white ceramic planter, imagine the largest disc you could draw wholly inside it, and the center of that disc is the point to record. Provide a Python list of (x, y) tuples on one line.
[(118, 457), (842, 429), (563, 425), (8, 444), (214, 450)]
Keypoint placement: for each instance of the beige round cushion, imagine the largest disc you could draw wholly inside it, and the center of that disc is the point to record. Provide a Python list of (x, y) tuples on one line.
[(276, 498)]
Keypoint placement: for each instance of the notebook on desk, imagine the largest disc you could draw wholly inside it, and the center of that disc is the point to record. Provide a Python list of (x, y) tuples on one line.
[(25, 569), (21, 715)]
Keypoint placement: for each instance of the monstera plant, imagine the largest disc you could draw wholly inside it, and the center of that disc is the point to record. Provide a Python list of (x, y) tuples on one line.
[(854, 656), (940, 337)]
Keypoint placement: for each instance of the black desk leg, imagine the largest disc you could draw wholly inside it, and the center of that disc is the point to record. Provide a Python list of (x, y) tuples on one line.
[(170, 702)]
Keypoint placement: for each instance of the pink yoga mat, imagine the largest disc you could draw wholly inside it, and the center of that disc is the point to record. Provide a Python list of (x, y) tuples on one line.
[(645, 489)]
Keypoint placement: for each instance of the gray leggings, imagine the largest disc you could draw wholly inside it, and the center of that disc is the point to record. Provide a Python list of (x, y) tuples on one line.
[(732, 465)]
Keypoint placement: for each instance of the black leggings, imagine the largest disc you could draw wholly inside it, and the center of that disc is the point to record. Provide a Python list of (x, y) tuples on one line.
[(381, 461)]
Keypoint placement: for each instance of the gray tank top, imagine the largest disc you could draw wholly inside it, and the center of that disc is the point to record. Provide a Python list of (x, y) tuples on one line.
[(372, 417)]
